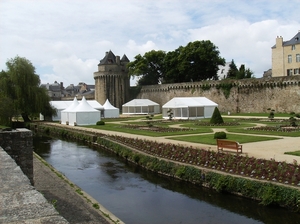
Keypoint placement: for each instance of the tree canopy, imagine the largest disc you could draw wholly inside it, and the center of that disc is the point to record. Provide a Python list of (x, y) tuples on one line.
[(241, 73), (197, 61), (149, 68), (20, 86)]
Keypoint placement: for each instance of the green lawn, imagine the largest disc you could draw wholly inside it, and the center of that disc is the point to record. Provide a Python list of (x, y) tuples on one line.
[(295, 153), (209, 138)]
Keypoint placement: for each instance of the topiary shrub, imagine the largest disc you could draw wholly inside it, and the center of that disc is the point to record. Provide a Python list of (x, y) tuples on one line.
[(216, 117), (220, 135), (100, 123)]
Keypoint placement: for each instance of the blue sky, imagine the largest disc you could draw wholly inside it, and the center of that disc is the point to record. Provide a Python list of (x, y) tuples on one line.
[(66, 39)]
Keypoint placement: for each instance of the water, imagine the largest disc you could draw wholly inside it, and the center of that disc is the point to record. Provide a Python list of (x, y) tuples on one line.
[(138, 196)]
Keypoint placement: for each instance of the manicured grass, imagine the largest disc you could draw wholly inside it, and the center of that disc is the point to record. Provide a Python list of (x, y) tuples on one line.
[(266, 115), (295, 153), (209, 138), (122, 128)]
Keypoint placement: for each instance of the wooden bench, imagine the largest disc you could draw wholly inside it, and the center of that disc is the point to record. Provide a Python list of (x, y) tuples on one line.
[(221, 144)]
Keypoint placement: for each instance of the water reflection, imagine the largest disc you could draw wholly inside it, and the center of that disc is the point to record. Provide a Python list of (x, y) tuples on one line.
[(138, 196)]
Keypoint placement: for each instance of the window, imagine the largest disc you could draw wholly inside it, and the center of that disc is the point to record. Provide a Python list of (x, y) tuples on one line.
[(289, 72), (297, 57), (289, 58), (296, 71), (293, 47)]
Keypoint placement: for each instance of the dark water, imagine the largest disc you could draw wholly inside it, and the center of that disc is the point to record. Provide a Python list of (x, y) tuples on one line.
[(140, 197)]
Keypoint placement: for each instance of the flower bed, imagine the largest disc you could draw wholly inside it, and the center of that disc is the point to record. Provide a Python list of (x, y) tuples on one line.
[(251, 167), (278, 129), (155, 128)]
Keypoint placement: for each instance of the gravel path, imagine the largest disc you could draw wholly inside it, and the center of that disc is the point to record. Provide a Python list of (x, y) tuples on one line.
[(75, 208)]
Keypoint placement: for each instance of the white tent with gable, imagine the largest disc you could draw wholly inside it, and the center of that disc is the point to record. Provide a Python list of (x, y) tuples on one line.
[(65, 112), (189, 108), (140, 106), (110, 110), (84, 114)]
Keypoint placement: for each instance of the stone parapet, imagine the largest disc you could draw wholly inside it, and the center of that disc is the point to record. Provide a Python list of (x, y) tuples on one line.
[(19, 201), (18, 144)]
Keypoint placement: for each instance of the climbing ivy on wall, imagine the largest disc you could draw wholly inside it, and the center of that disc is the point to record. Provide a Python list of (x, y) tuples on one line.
[(226, 88)]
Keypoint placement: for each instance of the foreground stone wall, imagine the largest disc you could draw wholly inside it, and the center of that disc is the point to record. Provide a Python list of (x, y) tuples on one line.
[(250, 95), (18, 144)]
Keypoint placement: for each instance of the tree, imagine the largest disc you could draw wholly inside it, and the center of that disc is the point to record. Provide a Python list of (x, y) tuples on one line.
[(197, 61), (149, 68), (21, 85), (233, 71), (216, 117)]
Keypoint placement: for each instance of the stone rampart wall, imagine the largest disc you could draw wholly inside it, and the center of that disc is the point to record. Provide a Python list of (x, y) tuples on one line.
[(18, 144), (249, 95)]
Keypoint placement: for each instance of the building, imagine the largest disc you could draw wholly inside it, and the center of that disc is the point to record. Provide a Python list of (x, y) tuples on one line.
[(286, 57), (111, 80)]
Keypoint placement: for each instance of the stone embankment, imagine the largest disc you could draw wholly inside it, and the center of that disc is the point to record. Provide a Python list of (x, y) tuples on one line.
[(20, 202)]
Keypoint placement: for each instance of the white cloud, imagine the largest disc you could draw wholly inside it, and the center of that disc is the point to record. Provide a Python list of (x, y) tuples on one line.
[(66, 39)]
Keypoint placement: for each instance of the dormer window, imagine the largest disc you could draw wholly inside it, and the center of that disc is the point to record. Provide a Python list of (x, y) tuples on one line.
[(293, 47)]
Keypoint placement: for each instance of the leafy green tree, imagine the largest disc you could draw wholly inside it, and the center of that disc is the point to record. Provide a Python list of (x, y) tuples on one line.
[(199, 61), (21, 85), (149, 68), (233, 71), (216, 118)]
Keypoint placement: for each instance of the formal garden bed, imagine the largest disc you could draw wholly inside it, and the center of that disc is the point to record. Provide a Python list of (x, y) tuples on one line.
[(270, 170), (155, 128)]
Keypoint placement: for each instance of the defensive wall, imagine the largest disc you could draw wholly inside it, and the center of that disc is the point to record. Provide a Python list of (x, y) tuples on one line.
[(246, 96)]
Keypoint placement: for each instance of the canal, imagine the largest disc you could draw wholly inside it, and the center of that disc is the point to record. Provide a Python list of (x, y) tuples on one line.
[(138, 196)]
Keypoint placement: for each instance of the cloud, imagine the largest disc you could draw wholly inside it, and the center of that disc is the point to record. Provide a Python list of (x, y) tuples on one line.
[(247, 43), (63, 38)]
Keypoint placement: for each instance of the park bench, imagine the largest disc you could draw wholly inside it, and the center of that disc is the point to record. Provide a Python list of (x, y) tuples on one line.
[(227, 144)]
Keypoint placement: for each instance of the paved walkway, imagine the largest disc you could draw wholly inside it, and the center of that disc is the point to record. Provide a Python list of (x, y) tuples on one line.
[(272, 149)]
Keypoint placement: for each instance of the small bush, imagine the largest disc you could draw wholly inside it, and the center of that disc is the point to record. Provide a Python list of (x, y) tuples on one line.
[(100, 123), (220, 135)]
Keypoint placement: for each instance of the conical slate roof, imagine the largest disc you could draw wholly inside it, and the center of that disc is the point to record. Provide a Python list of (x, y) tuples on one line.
[(124, 58), (109, 58)]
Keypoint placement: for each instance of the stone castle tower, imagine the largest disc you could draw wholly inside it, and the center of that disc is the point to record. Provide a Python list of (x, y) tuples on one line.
[(112, 81)]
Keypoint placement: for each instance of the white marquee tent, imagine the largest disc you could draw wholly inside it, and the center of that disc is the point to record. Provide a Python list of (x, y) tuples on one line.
[(189, 108), (84, 114), (65, 113), (110, 110), (59, 106), (62, 105), (140, 106)]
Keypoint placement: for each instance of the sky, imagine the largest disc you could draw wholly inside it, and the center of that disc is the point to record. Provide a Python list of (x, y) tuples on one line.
[(66, 39)]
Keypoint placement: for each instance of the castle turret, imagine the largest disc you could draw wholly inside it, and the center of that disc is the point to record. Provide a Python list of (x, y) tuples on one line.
[(111, 80)]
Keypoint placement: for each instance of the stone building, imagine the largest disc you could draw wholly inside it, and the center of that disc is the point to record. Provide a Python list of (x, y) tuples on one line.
[(286, 57), (112, 80)]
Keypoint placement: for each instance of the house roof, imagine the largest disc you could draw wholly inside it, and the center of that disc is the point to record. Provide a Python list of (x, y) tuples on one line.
[(140, 102), (179, 102), (293, 41)]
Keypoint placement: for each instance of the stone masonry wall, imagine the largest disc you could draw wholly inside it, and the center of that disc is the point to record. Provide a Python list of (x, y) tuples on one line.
[(249, 95), (18, 144)]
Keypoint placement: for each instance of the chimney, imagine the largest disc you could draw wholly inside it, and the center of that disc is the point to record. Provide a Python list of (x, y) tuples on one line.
[(118, 60)]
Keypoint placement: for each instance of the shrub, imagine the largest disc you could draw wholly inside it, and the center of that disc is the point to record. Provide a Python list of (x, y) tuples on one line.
[(216, 117), (100, 123), (220, 135)]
